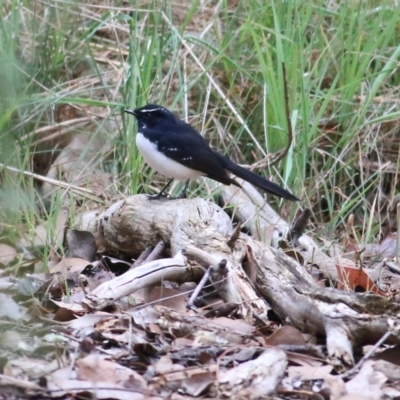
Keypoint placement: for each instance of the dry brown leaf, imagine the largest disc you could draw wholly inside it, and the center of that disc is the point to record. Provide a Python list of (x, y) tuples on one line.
[(391, 355), (96, 368), (81, 244), (303, 359), (391, 371), (7, 254), (197, 384), (165, 365), (87, 322), (180, 343), (254, 379), (10, 309), (286, 335), (236, 325), (335, 386), (67, 311), (168, 297), (41, 235), (305, 373), (367, 382), (64, 381), (351, 278), (70, 268)]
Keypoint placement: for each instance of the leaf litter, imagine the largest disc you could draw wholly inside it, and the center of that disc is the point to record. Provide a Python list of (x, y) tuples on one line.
[(147, 344)]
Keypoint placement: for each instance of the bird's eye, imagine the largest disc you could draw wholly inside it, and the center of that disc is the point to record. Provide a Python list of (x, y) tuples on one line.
[(147, 115)]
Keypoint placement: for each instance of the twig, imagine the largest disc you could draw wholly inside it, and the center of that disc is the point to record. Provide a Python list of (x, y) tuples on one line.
[(216, 274), (392, 267), (149, 254), (68, 186), (157, 251), (199, 287), (235, 236), (143, 256), (298, 227), (74, 339), (367, 356)]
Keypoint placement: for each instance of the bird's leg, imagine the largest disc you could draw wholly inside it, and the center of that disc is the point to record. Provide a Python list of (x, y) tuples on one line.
[(182, 194), (161, 194)]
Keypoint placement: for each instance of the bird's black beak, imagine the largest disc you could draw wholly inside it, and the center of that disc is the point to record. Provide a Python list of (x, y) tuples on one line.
[(133, 112)]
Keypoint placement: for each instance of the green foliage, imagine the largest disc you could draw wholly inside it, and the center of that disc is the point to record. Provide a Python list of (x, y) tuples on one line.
[(220, 66)]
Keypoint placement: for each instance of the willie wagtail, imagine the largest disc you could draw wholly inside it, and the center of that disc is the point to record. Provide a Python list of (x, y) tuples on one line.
[(176, 150)]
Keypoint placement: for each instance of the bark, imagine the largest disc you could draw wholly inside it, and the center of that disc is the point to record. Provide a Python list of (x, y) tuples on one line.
[(202, 230)]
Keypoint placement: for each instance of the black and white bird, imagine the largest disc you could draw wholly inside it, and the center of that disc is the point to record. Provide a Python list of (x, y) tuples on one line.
[(176, 150)]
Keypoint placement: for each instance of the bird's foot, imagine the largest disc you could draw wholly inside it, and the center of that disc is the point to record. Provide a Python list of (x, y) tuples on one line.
[(181, 195)]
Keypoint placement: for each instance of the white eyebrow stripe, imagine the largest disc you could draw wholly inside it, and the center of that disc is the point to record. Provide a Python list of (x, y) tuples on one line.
[(154, 109)]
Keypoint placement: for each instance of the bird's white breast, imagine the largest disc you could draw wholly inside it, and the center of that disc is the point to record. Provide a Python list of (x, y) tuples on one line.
[(161, 163)]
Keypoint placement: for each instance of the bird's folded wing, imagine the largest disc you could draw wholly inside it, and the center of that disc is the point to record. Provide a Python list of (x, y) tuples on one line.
[(194, 154)]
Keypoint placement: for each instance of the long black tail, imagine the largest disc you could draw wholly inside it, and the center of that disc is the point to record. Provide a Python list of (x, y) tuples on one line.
[(258, 181)]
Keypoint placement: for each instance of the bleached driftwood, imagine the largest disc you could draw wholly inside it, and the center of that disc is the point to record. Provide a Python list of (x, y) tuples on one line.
[(196, 227), (203, 230), (268, 226)]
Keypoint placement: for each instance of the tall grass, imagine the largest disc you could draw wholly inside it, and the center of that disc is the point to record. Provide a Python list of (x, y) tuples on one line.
[(220, 66)]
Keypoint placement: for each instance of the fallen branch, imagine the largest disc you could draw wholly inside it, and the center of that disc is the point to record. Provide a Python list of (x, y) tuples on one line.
[(201, 230)]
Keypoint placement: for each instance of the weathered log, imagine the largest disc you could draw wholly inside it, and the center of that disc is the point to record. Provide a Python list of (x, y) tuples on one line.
[(202, 230)]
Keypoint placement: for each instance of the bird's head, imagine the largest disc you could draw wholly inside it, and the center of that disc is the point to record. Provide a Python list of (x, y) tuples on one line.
[(151, 114)]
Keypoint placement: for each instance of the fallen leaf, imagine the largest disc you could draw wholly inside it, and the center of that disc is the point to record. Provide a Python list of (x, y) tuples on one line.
[(335, 386), (10, 309), (351, 278), (165, 365), (236, 325), (70, 268), (197, 384), (254, 379), (303, 359), (307, 373), (367, 381), (286, 335), (81, 244), (7, 254), (168, 297)]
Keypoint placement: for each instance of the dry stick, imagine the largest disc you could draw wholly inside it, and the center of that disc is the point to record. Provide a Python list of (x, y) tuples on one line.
[(298, 227), (158, 249), (20, 383), (216, 274), (199, 287), (74, 339), (62, 132), (143, 256), (149, 254), (392, 267), (73, 188), (49, 128), (367, 356), (235, 236)]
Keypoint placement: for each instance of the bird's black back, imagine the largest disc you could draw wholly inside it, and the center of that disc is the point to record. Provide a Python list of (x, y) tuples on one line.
[(184, 144)]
